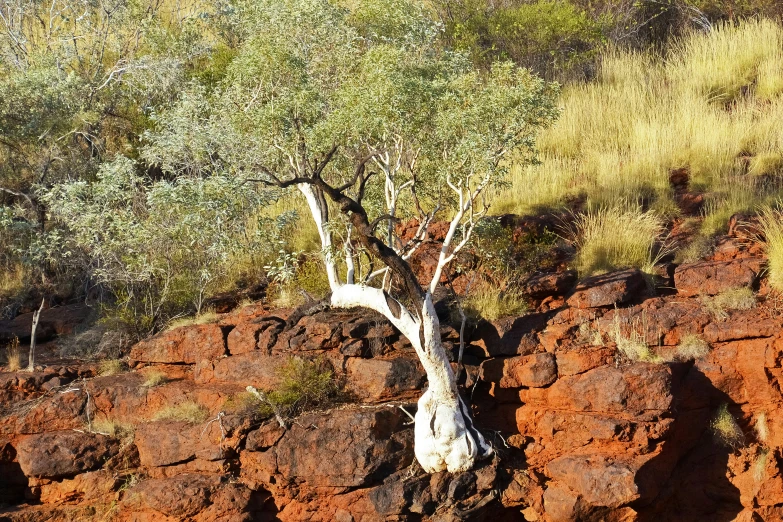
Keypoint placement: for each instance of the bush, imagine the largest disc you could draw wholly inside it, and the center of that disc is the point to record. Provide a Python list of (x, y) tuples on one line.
[(154, 378), (611, 238), (304, 385), (631, 341), (556, 39), (188, 411), (713, 107)]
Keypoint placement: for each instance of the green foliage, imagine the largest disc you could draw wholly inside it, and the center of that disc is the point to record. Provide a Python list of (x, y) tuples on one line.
[(553, 38), (160, 247), (304, 385), (486, 302)]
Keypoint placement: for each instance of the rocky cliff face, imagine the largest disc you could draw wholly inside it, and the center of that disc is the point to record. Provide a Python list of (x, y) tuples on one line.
[(689, 426)]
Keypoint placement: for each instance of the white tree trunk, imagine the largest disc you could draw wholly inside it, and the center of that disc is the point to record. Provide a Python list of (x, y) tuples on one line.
[(445, 439)]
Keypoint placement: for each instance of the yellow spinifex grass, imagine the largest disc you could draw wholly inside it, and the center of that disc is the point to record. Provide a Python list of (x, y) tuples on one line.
[(712, 106), (616, 237), (771, 224)]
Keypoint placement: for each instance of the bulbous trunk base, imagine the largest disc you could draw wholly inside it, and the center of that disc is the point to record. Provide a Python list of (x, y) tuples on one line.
[(445, 439)]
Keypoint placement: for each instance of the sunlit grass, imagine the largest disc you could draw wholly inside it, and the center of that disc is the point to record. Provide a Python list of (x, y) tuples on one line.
[(771, 223), (610, 238), (712, 107)]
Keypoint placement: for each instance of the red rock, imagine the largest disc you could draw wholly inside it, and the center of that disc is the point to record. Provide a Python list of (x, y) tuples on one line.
[(608, 289), (180, 497), (632, 389), (713, 277), (259, 334), (264, 437), (599, 480), (531, 371), (741, 325), (247, 369), (579, 360), (552, 284), (507, 336), (188, 344), (380, 443), (163, 443), (379, 379), (63, 453)]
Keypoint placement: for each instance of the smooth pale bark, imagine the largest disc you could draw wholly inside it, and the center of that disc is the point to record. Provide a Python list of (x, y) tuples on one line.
[(31, 356), (444, 436)]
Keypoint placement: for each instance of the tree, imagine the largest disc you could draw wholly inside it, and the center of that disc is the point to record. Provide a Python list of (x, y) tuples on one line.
[(370, 122)]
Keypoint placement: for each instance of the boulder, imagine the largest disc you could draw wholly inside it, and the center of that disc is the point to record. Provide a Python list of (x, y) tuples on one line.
[(633, 389), (531, 371), (346, 448), (545, 285), (254, 368), (258, 334), (600, 480), (713, 277), (184, 345), (180, 497), (64, 453), (608, 289), (380, 379), (507, 336)]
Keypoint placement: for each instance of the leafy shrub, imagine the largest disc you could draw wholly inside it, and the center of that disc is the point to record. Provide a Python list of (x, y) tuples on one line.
[(554, 38), (610, 238), (304, 384), (188, 411)]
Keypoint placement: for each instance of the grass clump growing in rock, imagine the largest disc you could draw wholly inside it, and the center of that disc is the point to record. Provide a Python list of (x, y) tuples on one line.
[(771, 224), (692, 347), (188, 411), (304, 385), (14, 358), (616, 237), (732, 299), (631, 341), (111, 367), (113, 428), (154, 378), (492, 304), (725, 428)]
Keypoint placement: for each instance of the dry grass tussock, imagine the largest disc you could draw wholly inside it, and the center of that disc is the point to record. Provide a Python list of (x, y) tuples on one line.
[(771, 224), (188, 411), (111, 367), (616, 237), (725, 428), (721, 304), (154, 378), (490, 303), (631, 340), (692, 347), (712, 107), (207, 317), (14, 356)]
